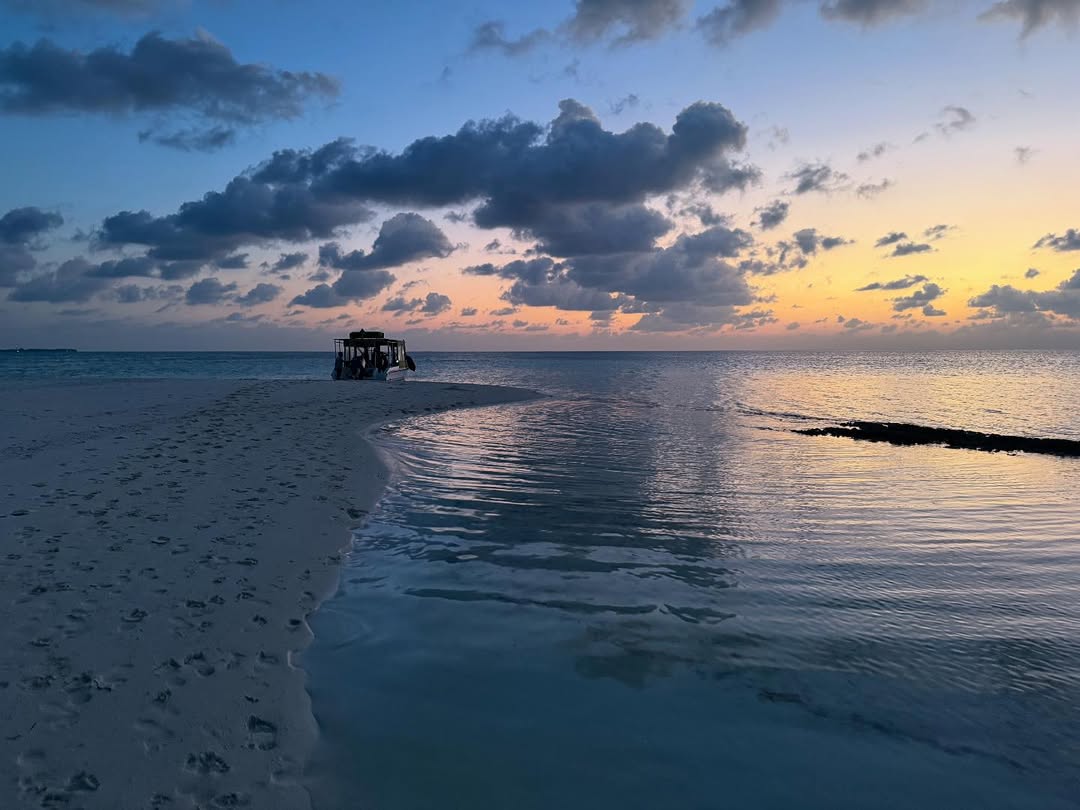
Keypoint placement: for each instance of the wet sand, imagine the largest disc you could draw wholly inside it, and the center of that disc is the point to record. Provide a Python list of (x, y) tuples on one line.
[(161, 546)]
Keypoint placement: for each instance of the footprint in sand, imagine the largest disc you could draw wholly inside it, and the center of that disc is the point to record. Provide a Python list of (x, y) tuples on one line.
[(262, 734)]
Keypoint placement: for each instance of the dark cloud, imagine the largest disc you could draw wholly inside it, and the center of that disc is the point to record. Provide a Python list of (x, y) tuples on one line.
[(808, 240), (504, 163), (816, 177), (931, 312), (468, 312), (133, 293), (289, 261), (131, 267), (1068, 241), (627, 102), (20, 231), (559, 292), (869, 190), (191, 139), (936, 232), (491, 36), (259, 294), (919, 298), (246, 212), (69, 282), (321, 296), (955, 119), (197, 77), (1031, 273), (402, 239), (773, 214), (209, 291), (573, 230), (891, 239), (625, 21), (910, 249), (20, 226), (875, 151), (737, 18), (1035, 14), (870, 12), (896, 284), (238, 261), (433, 304), (521, 179)]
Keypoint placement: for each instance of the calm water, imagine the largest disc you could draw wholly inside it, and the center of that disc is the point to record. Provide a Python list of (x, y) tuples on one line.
[(643, 591)]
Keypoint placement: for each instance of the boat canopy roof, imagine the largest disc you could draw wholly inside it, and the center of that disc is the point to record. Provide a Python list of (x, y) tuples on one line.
[(364, 338)]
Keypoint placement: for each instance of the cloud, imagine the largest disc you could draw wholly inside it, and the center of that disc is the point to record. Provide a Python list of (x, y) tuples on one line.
[(936, 232), (238, 261), (1068, 241), (737, 18), (891, 239), (895, 284), (522, 180), (69, 282), (433, 304), (930, 312), (1009, 302), (870, 190), (955, 119), (491, 36), (402, 239), (209, 291), (870, 12), (773, 214), (20, 226), (573, 230), (1035, 14), (919, 298), (191, 139), (875, 151), (910, 249), (468, 312), (816, 177), (1024, 154), (196, 77), (808, 240), (259, 294), (20, 232), (321, 296), (1031, 272), (289, 261), (627, 102), (627, 21)]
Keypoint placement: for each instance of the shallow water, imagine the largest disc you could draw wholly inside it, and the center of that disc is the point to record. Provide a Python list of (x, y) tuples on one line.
[(644, 591)]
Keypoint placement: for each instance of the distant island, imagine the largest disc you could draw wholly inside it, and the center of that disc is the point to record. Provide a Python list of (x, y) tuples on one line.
[(54, 351)]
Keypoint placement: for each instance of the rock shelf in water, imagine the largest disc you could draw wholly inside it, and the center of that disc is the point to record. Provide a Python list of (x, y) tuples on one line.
[(905, 434)]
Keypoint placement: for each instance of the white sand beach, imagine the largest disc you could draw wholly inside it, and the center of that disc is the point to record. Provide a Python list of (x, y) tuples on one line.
[(161, 544)]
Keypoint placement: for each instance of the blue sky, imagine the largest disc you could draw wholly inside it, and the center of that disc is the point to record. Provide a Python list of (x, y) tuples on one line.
[(977, 118)]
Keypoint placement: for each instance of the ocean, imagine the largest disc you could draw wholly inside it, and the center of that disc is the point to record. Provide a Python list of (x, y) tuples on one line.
[(644, 590)]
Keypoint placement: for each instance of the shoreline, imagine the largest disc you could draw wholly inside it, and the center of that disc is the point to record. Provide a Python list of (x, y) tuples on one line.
[(165, 543)]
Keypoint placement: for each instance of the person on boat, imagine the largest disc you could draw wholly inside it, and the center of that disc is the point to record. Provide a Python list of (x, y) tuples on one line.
[(356, 366), (339, 364)]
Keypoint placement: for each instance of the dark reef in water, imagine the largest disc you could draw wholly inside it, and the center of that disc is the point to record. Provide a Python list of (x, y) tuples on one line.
[(904, 434)]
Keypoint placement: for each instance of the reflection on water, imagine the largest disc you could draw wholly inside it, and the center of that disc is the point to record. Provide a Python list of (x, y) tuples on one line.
[(630, 594)]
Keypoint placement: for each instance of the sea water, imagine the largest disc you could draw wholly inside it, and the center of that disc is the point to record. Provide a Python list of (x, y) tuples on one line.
[(645, 591)]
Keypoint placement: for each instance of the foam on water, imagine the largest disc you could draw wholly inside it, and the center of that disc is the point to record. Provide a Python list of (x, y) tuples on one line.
[(630, 595)]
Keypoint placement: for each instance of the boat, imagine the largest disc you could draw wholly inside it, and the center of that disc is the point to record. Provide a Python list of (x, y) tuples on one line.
[(365, 355)]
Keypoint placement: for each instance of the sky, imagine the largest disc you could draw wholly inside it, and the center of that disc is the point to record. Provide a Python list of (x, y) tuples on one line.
[(598, 174)]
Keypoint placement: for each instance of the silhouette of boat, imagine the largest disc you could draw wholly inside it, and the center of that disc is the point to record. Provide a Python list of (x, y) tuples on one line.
[(367, 355)]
